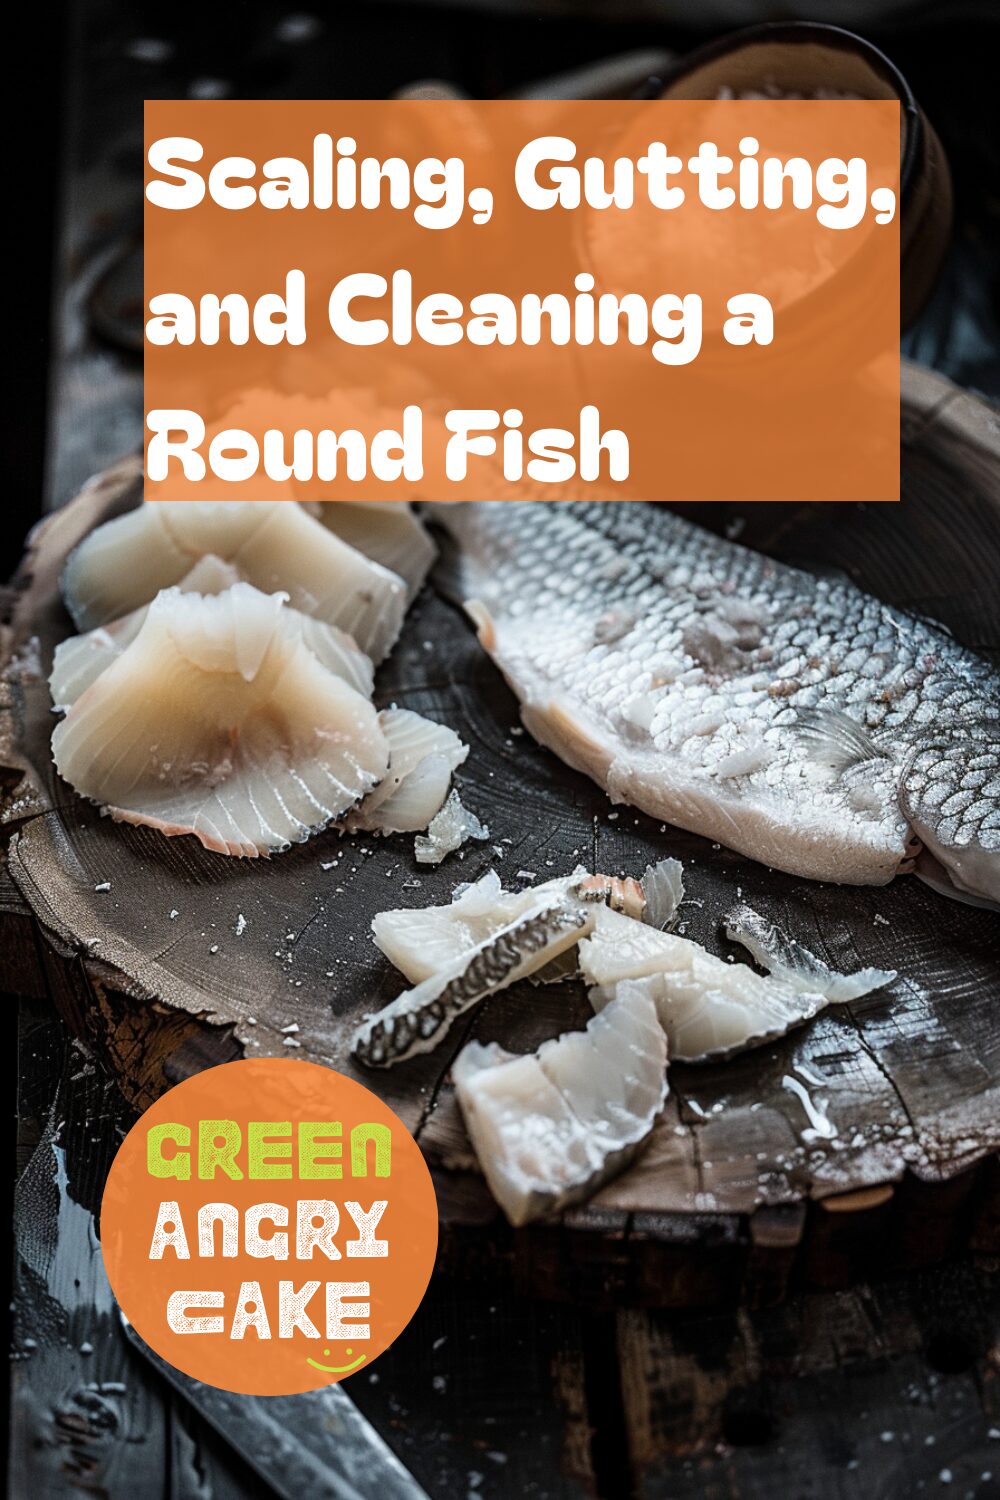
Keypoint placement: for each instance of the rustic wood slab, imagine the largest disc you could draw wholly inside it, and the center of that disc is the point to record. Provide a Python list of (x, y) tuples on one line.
[(735, 1195)]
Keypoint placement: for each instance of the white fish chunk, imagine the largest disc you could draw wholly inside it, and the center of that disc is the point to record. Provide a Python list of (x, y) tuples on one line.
[(219, 721), (794, 964), (418, 1020), (791, 717), (549, 1128), (81, 659), (387, 531), (707, 1007), (422, 756), (448, 831), (274, 545), (423, 940)]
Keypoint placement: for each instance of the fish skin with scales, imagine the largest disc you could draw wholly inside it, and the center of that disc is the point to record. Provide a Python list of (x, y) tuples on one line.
[(792, 717)]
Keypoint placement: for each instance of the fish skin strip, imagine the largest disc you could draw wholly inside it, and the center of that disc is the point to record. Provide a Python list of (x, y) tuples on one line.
[(418, 1020), (777, 712)]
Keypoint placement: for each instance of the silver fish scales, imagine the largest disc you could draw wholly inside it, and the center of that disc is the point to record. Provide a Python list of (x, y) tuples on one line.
[(794, 718)]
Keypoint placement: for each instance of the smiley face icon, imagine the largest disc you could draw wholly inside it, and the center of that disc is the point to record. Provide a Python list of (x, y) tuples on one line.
[(337, 1369)]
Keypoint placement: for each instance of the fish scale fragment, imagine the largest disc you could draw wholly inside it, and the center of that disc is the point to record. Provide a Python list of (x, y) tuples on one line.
[(448, 830)]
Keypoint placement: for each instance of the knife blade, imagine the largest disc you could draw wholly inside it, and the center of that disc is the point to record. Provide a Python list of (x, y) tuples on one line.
[(317, 1443)]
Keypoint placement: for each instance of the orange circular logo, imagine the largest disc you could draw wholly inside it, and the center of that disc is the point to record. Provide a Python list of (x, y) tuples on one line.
[(269, 1226)]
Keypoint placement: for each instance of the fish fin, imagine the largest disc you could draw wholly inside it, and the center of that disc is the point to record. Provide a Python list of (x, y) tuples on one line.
[(835, 739)]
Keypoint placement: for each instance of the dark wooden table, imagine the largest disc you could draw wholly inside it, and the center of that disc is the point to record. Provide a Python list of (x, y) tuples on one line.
[(856, 1389)]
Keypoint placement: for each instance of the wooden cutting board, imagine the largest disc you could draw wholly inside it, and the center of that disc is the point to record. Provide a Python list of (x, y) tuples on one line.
[(866, 1139)]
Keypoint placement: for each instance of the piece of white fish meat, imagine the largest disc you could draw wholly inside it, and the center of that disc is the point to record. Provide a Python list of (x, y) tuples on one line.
[(385, 530), (422, 756), (421, 941), (794, 964), (418, 1020), (791, 717), (274, 545), (707, 1007), (81, 659), (219, 721), (551, 1127)]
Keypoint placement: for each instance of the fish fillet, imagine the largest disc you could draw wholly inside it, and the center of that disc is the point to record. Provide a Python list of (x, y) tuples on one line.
[(274, 545), (707, 1007), (791, 717), (386, 531), (218, 720), (81, 659), (549, 1128)]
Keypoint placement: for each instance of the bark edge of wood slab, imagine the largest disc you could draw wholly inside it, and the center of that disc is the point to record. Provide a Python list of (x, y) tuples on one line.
[(737, 1197)]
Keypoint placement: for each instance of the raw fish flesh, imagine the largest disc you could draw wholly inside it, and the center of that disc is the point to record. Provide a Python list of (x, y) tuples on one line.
[(707, 1007), (549, 1128), (422, 756), (794, 964), (386, 531), (791, 717), (218, 720), (81, 659), (421, 940), (274, 545), (419, 1018)]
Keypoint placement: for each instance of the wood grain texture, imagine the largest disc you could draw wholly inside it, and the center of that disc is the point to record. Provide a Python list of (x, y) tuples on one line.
[(732, 1197)]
